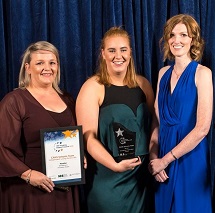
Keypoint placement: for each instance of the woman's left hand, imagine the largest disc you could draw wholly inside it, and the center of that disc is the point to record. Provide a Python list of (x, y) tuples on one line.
[(161, 176), (41, 181)]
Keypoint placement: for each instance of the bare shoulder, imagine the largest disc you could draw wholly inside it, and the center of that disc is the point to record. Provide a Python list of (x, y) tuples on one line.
[(145, 85), (162, 71), (91, 90), (91, 83), (203, 70), (203, 75), (142, 80), (91, 86)]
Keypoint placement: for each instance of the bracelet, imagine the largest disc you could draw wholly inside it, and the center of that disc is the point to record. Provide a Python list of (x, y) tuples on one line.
[(28, 177), (173, 155)]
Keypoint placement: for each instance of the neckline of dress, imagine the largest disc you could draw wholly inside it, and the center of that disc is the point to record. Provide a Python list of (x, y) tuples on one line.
[(178, 79), (43, 106), (119, 86), (175, 71)]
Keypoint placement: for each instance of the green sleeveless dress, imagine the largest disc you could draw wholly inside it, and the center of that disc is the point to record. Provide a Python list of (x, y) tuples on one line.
[(126, 192)]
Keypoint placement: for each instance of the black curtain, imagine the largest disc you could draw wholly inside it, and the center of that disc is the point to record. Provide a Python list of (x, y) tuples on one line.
[(76, 27)]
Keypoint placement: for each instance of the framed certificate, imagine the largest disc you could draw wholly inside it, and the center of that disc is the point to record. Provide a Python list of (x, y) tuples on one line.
[(63, 155)]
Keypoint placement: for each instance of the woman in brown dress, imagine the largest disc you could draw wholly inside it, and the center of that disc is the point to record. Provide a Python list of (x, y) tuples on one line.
[(38, 103)]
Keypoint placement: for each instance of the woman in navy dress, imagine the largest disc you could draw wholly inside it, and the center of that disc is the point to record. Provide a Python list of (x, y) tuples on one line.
[(179, 148)]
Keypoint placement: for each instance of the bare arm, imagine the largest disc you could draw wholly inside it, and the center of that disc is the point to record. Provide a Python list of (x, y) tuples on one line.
[(89, 99), (147, 89), (204, 112), (204, 115), (153, 146)]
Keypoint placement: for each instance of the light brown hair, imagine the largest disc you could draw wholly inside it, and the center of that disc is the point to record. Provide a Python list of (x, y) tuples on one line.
[(193, 29), (102, 72)]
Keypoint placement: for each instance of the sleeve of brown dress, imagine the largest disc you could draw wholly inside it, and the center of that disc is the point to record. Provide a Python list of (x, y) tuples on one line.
[(11, 152)]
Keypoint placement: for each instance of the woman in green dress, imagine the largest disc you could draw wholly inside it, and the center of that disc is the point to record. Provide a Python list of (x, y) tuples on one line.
[(114, 107)]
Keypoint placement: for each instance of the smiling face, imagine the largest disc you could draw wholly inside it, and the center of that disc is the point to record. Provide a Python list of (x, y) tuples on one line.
[(179, 41), (117, 54), (42, 68)]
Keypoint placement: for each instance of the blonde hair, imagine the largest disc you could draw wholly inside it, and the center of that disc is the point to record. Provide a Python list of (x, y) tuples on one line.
[(102, 72), (193, 29), (24, 77)]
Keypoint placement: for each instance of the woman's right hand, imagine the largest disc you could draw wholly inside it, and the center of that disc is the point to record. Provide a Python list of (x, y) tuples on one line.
[(128, 164)]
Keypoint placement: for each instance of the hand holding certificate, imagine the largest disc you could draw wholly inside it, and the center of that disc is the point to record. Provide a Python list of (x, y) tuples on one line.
[(63, 155)]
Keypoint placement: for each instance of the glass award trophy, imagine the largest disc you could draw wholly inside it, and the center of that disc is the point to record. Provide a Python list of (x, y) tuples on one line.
[(125, 140)]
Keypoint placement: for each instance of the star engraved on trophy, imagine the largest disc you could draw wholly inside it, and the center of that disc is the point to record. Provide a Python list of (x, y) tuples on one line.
[(125, 140), (119, 132)]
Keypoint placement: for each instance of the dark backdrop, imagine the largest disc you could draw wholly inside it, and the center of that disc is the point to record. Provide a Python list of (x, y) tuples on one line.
[(76, 27)]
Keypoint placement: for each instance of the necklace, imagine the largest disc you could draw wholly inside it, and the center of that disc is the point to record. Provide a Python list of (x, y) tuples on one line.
[(177, 75), (176, 72)]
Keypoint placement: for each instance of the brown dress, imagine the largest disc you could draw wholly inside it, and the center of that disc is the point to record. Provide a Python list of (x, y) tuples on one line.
[(21, 118)]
